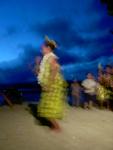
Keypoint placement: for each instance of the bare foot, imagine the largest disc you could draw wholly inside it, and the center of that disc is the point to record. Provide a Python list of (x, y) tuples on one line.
[(55, 126)]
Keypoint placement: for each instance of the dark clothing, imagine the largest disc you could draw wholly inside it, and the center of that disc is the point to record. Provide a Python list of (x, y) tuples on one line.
[(89, 97)]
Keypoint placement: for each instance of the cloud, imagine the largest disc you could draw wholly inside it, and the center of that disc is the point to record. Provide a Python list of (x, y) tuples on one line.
[(18, 71), (66, 57), (89, 44), (62, 30), (29, 52), (79, 71), (81, 31), (9, 31), (72, 65)]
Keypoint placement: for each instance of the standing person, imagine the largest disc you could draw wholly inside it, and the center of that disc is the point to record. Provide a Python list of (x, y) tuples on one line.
[(52, 100), (89, 86), (112, 78), (111, 102), (103, 92), (75, 93), (108, 84)]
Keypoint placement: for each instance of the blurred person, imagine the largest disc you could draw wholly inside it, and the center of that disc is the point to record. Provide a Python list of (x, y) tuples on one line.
[(112, 70), (51, 104), (108, 84), (112, 79), (103, 88), (37, 65), (89, 86), (6, 99), (108, 69), (34, 66), (102, 96), (111, 102), (108, 76), (75, 93)]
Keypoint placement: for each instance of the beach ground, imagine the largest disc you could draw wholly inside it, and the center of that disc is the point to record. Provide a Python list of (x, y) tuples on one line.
[(81, 130)]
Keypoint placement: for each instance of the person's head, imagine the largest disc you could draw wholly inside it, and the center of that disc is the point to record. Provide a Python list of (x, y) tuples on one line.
[(90, 76), (48, 46), (75, 82), (108, 69)]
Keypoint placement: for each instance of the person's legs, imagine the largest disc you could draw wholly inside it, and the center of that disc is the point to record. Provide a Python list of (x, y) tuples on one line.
[(73, 100), (85, 101), (111, 104), (78, 101), (92, 100), (101, 104), (85, 105), (55, 125), (108, 104), (90, 104), (89, 101)]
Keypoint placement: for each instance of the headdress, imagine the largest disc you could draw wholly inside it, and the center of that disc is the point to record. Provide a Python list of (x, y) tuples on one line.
[(50, 43)]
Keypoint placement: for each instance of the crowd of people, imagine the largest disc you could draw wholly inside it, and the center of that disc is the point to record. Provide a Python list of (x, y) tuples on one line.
[(95, 91)]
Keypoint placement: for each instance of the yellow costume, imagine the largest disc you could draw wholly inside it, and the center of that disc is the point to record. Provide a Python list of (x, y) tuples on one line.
[(102, 93), (53, 95)]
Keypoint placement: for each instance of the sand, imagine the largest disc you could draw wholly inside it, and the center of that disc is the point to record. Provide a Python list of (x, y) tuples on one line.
[(82, 130)]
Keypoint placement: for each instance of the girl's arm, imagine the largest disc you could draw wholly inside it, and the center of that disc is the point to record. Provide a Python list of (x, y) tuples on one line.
[(53, 72), (54, 68)]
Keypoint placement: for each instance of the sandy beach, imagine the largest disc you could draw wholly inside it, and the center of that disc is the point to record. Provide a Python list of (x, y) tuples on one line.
[(81, 130)]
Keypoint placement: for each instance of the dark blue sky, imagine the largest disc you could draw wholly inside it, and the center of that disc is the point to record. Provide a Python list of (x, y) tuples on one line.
[(81, 28)]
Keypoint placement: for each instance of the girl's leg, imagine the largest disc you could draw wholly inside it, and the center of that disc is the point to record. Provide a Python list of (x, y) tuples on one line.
[(55, 125)]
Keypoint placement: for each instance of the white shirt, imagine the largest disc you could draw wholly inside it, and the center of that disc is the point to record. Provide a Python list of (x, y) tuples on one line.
[(90, 86)]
